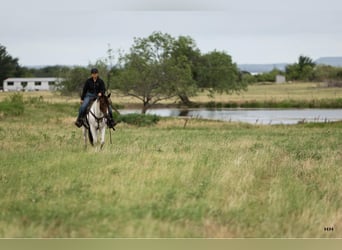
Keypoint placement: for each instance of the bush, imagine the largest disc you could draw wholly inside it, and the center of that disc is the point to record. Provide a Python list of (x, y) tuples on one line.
[(231, 105), (138, 119), (252, 104), (13, 106), (210, 105)]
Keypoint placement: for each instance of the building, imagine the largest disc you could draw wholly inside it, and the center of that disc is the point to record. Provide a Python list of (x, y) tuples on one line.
[(280, 79), (31, 84)]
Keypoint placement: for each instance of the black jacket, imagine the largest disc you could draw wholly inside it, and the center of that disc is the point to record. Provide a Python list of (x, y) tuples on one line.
[(93, 87)]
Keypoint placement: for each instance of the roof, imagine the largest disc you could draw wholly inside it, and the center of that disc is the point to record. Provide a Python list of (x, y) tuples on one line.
[(33, 79)]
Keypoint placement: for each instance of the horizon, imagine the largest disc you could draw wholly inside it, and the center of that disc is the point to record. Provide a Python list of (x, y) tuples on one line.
[(274, 63)]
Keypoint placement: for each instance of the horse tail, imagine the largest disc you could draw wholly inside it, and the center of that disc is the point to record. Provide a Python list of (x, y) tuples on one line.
[(90, 135)]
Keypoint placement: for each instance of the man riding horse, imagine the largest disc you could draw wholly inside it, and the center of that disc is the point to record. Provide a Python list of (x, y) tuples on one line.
[(93, 87)]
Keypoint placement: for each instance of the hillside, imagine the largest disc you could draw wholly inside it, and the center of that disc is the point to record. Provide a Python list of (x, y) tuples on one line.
[(333, 61), (262, 68)]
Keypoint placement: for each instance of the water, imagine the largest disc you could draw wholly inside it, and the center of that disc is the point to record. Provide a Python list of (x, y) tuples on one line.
[(253, 116)]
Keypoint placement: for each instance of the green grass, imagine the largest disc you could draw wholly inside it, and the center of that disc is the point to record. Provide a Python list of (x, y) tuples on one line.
[(283, 104), (278, 92), (289, 95), (210, 179)]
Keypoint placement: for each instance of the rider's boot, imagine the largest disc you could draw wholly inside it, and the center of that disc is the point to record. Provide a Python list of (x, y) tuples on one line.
[(85, 122), (110, 122), (79, 122)]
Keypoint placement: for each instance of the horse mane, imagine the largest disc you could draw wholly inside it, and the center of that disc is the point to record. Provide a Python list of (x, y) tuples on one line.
[(99, 111), (104, 103)]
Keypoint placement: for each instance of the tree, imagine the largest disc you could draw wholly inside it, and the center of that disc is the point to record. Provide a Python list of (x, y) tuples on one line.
[(329, 74), (9, 66), (105, 67), (74, 79), (292, 72), (269, 76), (218, 73), (303, 70), (186, 49), (150, 73), (247, 77), (47, 71)]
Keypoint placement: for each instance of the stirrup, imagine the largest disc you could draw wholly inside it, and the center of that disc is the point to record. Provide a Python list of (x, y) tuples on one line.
[(79, 123), (111, 123), (85, 122)]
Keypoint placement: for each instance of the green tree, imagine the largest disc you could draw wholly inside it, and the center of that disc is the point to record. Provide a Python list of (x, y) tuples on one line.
[(185, 51), (302, 70), (247, 77), (292, 72), (218, 73), (106, 67), (150, 73), (329, 74), (324, 72), (269, 76), (74, 79), (48, 71), (9, 66)]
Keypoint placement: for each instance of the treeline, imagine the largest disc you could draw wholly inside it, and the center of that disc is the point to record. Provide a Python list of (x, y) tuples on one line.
[(156, 68), (303, 70), (160, 66)]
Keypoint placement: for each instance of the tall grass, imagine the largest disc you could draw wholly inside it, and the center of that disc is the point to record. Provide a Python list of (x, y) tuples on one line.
[(261, 95), (277, 92), (289, 103), (13, 105), (210, 179)]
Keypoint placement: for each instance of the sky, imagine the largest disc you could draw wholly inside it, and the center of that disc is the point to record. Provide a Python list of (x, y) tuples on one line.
[(79, 32)]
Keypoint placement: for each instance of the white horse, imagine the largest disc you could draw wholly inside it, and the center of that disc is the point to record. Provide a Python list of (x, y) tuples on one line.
[(97, 121)]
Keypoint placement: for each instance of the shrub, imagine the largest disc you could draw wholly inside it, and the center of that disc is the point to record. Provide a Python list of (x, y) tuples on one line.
[(13, 106), (210, 105), (231, 105), (252, 104), (138, 119), (35, 100)]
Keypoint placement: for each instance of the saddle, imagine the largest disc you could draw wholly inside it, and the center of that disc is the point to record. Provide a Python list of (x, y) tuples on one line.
[(89, 105), (110, 122), (84, 118)]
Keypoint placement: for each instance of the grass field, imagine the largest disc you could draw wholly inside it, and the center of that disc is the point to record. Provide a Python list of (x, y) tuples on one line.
[(255, 93), (279, 92), (208, 180)]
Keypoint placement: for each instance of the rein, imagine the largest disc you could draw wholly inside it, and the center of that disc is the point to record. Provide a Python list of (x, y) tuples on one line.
[(98, 119), (102, 111)]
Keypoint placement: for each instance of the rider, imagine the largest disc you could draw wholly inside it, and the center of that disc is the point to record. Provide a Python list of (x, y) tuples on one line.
[(94, 86)]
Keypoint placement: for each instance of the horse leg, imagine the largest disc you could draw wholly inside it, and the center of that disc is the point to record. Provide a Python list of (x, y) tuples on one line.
[(85, 136), (103, 134), (94, 134)]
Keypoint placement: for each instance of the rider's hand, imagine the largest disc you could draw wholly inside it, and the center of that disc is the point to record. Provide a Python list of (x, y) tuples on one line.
[(99, 94)]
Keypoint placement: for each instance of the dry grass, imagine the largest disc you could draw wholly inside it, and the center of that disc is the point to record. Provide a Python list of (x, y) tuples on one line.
[(274, 92), (210, 179), (277, 92)]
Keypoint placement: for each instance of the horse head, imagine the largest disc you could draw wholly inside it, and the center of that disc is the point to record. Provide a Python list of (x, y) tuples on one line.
[(104, 101)]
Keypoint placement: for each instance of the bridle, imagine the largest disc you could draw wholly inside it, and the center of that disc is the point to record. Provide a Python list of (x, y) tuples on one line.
[(98, 119), (104, 103)]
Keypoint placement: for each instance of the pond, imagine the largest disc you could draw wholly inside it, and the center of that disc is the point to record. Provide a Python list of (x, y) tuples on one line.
[(253, 116)]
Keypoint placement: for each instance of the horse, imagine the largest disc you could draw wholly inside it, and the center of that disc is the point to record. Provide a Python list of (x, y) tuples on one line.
[(96, 121)]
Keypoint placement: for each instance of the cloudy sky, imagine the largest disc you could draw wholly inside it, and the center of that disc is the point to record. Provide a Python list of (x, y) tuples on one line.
[(77, 32)]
